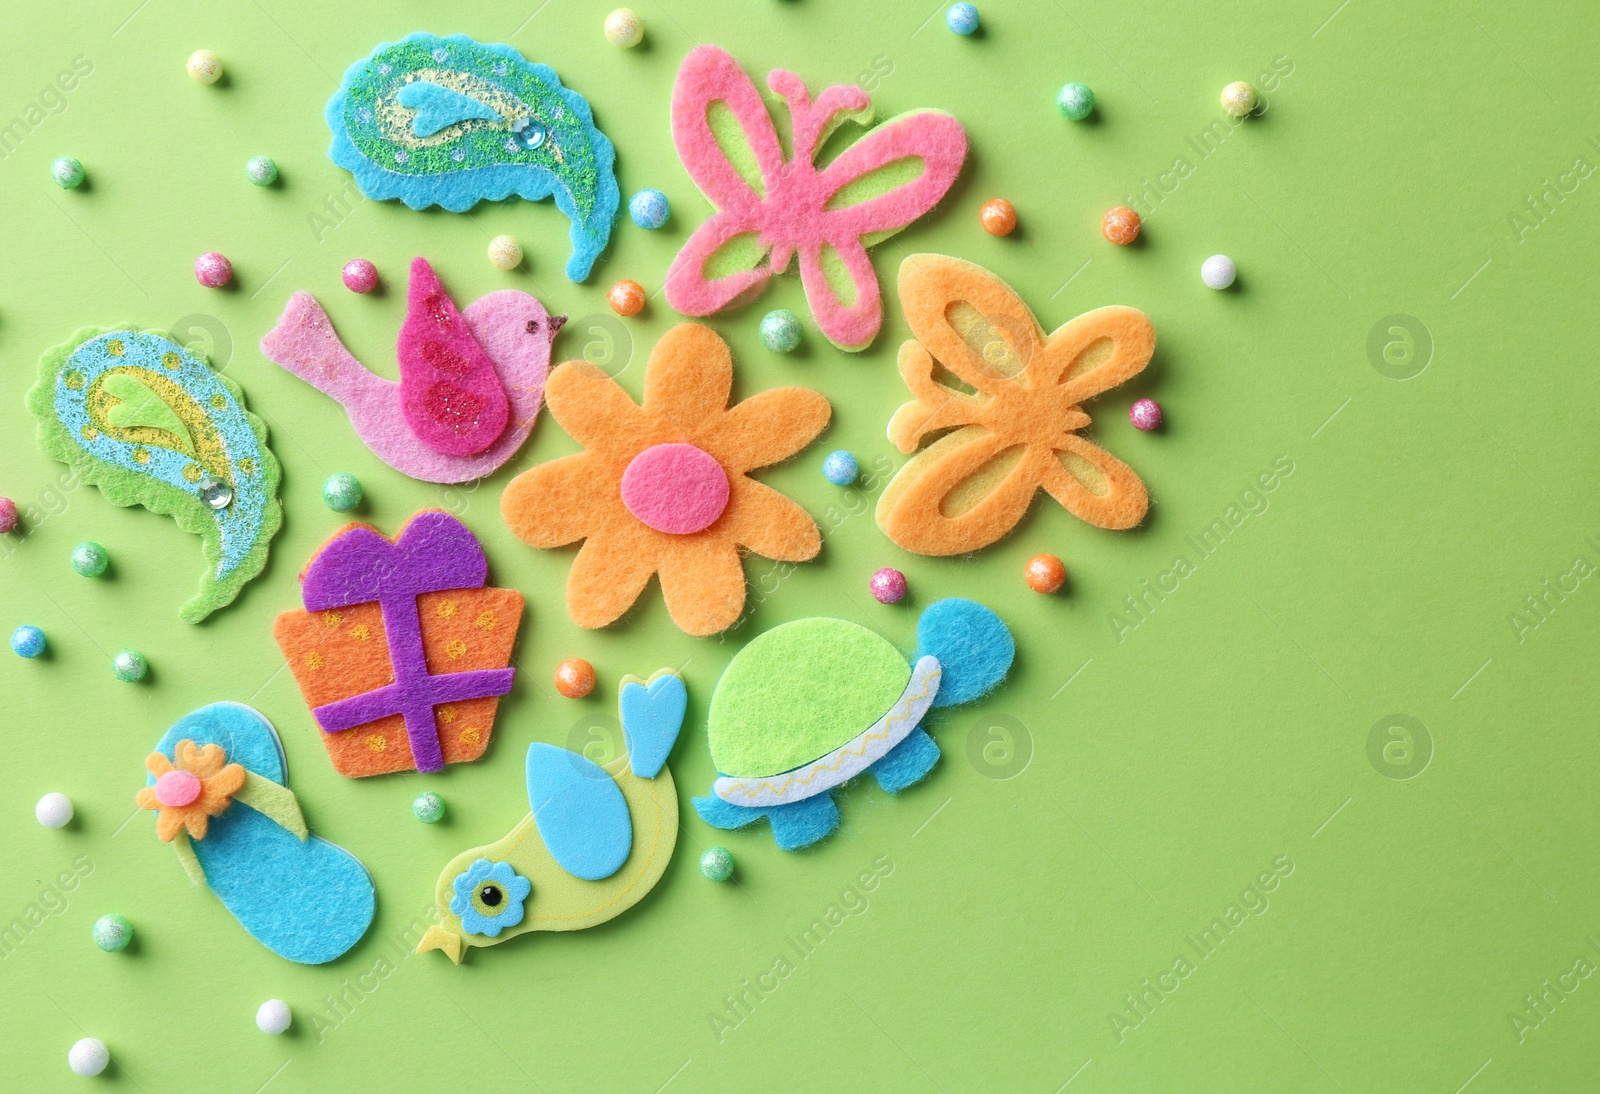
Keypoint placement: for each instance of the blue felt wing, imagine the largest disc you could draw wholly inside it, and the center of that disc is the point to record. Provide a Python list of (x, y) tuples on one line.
[(973, 645), (306, 900), (440, 107), (580, 812), (652, 715)]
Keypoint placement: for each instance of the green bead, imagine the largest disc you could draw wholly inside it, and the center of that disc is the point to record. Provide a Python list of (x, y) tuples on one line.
[(342, 492), (780, 330), (67, 172), (261, 170), (112, 932), (717, 864), (1075, 101), (90, 559), (428, 808), (130, 666)]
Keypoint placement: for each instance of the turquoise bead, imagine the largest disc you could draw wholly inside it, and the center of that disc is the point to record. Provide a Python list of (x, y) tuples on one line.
[(717, 864), (780, 330), (428, 808), (90, 559), (1075, 101), (112, 932), (342, 492)]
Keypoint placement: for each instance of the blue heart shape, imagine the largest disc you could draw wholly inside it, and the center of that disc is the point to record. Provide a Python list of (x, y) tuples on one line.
[(652, 716), (439, 107)]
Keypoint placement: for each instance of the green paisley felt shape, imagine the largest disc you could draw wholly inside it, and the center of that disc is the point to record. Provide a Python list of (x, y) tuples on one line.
[(149, 423)]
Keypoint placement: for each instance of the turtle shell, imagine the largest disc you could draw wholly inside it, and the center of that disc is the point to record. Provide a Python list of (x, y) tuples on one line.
[(798, 692)]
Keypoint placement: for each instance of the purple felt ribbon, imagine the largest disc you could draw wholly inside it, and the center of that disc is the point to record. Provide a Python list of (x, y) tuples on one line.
[(434, 553)]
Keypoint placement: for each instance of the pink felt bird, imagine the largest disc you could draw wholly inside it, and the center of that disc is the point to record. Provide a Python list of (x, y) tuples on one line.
[(470, 387)]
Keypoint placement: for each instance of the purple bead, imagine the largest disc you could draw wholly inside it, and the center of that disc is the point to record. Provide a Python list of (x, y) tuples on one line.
[(888, 586), (1145, 414)]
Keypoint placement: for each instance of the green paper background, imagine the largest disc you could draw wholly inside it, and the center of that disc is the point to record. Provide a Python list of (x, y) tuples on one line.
[(1131, 782)]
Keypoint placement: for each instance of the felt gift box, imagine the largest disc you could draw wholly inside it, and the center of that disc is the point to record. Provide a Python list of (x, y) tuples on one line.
[(401, 653)]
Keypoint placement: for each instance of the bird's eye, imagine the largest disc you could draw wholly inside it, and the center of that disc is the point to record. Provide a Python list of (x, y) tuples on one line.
[(533, 326), (492, 896)]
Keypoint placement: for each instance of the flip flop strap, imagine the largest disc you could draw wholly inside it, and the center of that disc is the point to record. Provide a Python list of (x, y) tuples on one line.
[(272, 800)]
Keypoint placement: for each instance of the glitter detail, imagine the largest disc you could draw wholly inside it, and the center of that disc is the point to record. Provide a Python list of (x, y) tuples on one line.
[(471, 736), (486, 620), (313, 660), (456, 650), (377, 742)]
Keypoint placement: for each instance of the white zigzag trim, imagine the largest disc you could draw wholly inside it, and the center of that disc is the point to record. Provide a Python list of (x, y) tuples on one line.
[(848, 760)]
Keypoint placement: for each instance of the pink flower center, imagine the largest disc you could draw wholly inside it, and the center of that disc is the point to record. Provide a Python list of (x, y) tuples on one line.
[(177, 789), (675, 488)]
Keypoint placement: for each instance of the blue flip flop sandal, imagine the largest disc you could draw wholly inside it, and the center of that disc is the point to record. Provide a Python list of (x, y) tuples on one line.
[(217, 781)]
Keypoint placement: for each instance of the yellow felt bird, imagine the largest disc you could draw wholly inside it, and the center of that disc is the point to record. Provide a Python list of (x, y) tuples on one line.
[(597, 839)]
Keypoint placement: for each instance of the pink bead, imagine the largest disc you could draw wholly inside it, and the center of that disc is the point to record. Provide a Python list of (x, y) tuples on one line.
[(8, 515), (675, 488), (360, 275), (888, 586), (1145, 414), (177, 789), (213, 270)]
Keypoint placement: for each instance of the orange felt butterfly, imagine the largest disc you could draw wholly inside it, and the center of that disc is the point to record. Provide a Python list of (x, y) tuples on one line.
[(1015, 415)]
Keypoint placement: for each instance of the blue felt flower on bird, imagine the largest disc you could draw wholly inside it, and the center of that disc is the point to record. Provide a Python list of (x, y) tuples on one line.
[(488, 897)]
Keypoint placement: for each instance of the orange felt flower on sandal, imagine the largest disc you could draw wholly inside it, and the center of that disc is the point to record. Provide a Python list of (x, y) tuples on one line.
[(663, 488), (1011, 418), (192, 791)]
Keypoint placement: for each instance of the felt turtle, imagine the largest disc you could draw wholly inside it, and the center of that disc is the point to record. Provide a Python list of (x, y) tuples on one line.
[(811, 704)]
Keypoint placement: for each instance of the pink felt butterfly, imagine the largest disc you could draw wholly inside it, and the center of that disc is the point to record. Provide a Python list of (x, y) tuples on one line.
[(798, 207)]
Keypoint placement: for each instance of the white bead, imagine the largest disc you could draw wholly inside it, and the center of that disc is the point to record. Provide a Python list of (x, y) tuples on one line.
[(1218, 272), (273, 1016), (88, 1057), (54, 810)]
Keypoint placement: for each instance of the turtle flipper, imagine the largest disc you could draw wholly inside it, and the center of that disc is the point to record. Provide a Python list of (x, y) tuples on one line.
[(907, 762), (797, 825)]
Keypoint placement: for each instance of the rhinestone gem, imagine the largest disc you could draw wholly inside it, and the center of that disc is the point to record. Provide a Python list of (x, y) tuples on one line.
[(216, 495)]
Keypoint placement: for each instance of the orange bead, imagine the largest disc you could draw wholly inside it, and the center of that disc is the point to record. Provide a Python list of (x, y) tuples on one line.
[(999, 217), (1120, 225), (574, 678), (626, 297), (1046, 573)]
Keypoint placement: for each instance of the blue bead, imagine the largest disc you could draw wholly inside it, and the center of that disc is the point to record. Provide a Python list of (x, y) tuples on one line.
[(27, 641), (962, 18), (649, 209), (840, 468)]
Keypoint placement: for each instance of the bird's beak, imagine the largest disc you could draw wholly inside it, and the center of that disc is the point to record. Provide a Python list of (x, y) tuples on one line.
[(437, 938), (556, 323)]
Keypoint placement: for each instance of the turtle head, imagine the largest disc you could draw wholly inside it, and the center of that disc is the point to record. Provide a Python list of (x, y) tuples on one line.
[(974, 647)]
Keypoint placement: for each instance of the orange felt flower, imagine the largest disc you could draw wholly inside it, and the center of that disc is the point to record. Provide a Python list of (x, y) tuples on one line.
[(189, 793), (1012, 416), (663, 488)]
